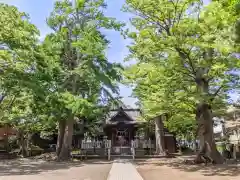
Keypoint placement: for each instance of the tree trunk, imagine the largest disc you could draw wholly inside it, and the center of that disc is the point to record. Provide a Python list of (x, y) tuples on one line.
[(28, 140), (65, 153), (206, 135), (6, 144), (194, 145), (204, 117), (61, 132), (159, 134), (22, 143)]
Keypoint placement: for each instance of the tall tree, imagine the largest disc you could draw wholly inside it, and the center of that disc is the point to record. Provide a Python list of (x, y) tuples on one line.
[(17, 43), (159, 95), (24, 73), (193, 44), (85, 74)]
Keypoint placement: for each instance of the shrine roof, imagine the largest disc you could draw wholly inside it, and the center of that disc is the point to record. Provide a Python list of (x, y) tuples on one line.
[(128, 116)]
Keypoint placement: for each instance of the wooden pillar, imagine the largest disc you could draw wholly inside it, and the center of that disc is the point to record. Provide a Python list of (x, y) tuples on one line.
[(112, 137), (129, 136), (134, 132)]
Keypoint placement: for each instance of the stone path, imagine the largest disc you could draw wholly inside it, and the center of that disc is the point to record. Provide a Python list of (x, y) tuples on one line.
[(123, 170)]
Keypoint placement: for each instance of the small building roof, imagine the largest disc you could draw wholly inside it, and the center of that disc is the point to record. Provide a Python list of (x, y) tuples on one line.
[(132, 115)]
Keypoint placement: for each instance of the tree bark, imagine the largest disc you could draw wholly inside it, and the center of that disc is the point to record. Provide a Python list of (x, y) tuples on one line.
[(204, 118), (65, 153), (28, 140), (6, 144), (22, 143), (194, 145), (159, 133), (61, 132), (206, 135)]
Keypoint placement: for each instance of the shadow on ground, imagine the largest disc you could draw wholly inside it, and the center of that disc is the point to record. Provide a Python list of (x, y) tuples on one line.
[(30, 166), (206, 170)]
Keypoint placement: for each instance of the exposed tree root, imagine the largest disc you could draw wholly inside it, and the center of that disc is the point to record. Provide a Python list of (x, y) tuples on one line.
[(200, 159)]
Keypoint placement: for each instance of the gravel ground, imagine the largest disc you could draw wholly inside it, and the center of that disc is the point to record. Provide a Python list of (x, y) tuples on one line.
[(23, 169), (170, 169)]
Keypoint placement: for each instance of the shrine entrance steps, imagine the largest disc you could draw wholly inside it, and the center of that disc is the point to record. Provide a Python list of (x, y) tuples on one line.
[(121, 150), (127, 157)]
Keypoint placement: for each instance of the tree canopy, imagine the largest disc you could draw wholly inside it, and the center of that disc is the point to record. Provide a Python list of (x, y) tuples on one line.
[(65, 77), (187, 63), (186, 60)]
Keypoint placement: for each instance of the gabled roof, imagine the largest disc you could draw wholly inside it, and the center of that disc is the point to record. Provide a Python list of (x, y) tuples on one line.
[(132, 115)]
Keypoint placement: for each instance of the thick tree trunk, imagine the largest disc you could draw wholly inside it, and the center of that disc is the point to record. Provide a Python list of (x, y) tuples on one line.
[(159, 133), (204, 117), (65, 153), (206, 136), (61, 132)]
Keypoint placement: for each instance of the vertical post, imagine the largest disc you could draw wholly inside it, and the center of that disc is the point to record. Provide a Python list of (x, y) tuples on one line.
[(109, 154), (150, 146), (133, 153), (112, 136), (107, 147), (82, 150), (136, 140), (234, 151), (133, 149), (129, 136)]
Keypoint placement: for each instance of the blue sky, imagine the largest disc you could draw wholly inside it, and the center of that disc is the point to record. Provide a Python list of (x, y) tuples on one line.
[(39, 10)]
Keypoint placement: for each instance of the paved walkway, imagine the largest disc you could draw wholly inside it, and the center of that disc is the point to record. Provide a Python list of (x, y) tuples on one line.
[(123, 170)]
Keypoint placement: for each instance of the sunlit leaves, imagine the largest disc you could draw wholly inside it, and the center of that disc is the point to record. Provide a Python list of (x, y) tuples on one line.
[(172, 41)]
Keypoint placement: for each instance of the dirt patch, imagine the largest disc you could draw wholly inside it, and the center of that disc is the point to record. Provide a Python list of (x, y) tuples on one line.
[(168, 169), (23, 169)]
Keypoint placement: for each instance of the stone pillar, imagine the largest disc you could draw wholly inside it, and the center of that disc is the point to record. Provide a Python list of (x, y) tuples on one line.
[(109, 154), (133, 153), (136, 142), (234, 151)]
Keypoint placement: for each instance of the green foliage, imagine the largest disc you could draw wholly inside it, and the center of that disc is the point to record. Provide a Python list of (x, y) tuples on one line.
[(23, 71), (67, 75), (84, 78), (185, 54)]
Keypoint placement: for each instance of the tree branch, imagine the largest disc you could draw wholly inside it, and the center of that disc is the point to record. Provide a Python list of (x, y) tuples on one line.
[(216, 93), (184, 56), (164, 26), (11, 102)]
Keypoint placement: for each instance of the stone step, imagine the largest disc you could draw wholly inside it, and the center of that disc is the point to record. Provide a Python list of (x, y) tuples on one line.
[(123, 170)]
